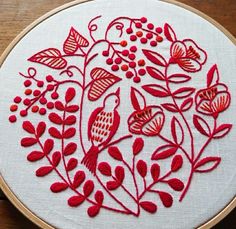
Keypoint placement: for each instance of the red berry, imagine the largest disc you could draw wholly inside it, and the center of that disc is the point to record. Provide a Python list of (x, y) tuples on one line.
[(136, 79), (27, 83), (125, 52), (132, 64), (129, 74), (153, 43), (13, 108), (50, 105), (23, 113), (118, 60), (105, 53), (28, 92), (36, 92), (17, 99), (159, 30), (12, 118), (141, 62), (35, 109), (143, 40), (123, 43), (124, 67), (143, 20), (149, 36), (26, 102), (109, 61), (114, 68), (43, 100), (129, 30), (40, 83), (133, 48), (50, 87), (42, 111), (132, 56), (54, 95), (138, 25), (49, 78), (139, 34), (133, 38), (150, 26), (141, 72), (159, 39)]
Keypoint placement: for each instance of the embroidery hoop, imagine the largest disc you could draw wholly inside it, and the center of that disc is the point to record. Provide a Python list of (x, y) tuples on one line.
[(3, 185)]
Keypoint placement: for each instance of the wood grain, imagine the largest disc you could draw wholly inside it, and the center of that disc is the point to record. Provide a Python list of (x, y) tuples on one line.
[(15, 15)]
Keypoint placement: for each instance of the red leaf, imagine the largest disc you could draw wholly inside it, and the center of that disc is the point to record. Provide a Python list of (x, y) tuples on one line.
[(142, 168), (78, 179), (177, 131), (187, 104), (28, 127), (48, 146), (72, 108), (201, 125), (213, 76), (56, 158), (59, 106), (35, 156), (207, 164), (222, 130), (137, 99), (113, 185), (156, 90), (93, 210), (43, 171), (70, 149), (170, 107), (55, 118), (101, 81), (120, 173), (70, 94), (177, 163), (40, 129), (99, 197), (104, 168), (155, 57), (70, 120), (137, 146), (166, 199), (74, 41), (148, 206), (164, 151), (169, 33), (27, 142), (183, 92), (115, 153), (88, 187), (69, 133), (50, 57), (72, 163), (55, 132), (155, 73), (179, 78), (75, 201), (155, 171), (176, 184)]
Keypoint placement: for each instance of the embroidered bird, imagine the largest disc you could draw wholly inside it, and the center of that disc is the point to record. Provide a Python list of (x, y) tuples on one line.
[(102, 126)]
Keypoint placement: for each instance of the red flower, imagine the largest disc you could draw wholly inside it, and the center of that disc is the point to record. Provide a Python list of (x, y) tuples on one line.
[(188, 55), (148, 121), (213, 100)]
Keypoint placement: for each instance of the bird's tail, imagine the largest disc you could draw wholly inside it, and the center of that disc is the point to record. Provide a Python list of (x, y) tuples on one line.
[(90, 159)]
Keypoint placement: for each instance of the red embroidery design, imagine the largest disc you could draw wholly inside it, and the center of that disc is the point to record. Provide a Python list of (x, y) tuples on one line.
[(146, 120)]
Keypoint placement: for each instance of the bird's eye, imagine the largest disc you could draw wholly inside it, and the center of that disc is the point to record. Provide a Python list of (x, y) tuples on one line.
[(116, 101)]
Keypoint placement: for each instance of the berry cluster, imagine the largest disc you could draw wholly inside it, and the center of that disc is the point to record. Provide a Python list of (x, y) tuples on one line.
[(124, 57)]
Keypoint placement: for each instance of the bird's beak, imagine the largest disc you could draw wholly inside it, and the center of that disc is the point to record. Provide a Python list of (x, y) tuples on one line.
[(117, 93)]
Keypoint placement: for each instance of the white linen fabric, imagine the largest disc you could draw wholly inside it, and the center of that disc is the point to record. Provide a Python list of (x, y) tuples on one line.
[(209, 192)]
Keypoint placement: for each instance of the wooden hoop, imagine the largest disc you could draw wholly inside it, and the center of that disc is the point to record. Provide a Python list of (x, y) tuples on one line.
[(4, 186)]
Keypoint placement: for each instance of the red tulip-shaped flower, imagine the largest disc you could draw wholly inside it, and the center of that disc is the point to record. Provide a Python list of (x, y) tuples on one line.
[(102, 126)]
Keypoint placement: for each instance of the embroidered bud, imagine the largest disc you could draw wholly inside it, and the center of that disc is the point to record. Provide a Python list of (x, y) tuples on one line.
[(177, 163), (142, 168), (104, 168), (115, 153), (138, 146)]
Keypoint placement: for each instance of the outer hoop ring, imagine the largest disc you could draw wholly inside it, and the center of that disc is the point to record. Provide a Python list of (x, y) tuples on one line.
[(4, 186)]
